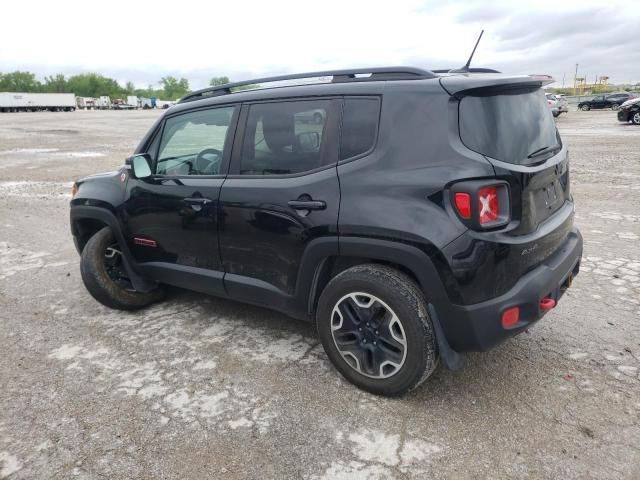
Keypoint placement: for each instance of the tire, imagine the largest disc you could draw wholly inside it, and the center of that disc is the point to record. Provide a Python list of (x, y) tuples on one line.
[(615, 107), (99, 283), (407, 353), (555, 114), (585, 108), (635, 118)]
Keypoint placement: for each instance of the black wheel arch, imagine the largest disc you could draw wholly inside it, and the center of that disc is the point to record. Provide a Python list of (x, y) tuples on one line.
[(86, 220), (409, 259)]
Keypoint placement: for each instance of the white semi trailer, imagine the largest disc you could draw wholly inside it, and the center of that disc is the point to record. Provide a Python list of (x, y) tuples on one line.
[(33, 102), (103, 103)]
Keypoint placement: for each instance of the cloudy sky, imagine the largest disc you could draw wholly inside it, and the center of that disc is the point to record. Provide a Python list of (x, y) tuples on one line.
[(142, 41)]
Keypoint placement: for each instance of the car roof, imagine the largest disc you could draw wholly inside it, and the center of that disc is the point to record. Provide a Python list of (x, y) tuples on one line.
[(350, 82)]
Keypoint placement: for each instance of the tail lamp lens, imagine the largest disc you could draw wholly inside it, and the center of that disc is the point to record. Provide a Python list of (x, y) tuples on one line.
[(463, 204), (482, 204), (488, 205)]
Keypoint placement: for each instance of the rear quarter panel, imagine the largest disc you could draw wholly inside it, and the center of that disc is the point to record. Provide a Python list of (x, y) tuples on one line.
[(397, 192)]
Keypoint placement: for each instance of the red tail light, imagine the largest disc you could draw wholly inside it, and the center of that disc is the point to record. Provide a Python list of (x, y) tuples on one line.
[(482, 204), (463, 204), (488, 205)]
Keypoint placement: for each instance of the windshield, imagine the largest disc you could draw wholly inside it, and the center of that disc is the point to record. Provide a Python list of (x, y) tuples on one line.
[(509, 126)]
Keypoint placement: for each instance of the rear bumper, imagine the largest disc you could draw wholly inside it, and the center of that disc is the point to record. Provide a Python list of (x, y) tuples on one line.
[(479, 326)]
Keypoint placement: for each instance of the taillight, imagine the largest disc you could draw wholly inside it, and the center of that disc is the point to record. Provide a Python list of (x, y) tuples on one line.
[(463, 204), (488, 205), (482, 204)]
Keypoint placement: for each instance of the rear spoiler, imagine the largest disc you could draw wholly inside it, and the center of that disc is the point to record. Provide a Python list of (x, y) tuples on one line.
[(454, 84)]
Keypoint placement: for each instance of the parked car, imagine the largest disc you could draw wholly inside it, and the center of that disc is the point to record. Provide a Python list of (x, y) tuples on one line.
[(630, 111), (557, 104), (404, 224), (612, 101)]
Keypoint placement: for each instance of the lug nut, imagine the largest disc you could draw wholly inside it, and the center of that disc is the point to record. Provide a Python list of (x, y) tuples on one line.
[(375, 343), (377, 332), (367, 324), (364, 341), (360, 329)]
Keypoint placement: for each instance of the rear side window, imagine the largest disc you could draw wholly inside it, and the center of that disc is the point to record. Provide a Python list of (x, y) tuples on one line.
[(285, 137), (359, 126), (509, 126)]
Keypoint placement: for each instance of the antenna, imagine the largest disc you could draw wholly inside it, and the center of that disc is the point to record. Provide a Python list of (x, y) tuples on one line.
[(465, 69)]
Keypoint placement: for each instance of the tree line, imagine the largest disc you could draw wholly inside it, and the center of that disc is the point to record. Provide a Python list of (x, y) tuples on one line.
[(96, 85)]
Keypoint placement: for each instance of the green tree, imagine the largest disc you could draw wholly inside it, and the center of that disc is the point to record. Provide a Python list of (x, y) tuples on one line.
[(94, 85), (172, 88), (130, 88), (19, 82), (215, 81), (55, 84)]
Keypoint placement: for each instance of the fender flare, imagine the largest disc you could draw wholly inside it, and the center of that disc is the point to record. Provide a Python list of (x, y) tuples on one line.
[(80, 212), (408, 256)]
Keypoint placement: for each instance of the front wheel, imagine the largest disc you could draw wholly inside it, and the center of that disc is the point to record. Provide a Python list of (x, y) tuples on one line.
[(375, 328), (635, 118), (585, 108), (615, 107), (104, 275)]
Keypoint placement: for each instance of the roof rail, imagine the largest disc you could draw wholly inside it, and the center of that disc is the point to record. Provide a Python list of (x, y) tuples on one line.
[(338, 76), (470, 70)]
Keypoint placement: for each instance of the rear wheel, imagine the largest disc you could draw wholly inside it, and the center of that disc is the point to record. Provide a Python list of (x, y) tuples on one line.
[(635, 118), (585, 108), (375, 328), (615, 107), (104, 275)]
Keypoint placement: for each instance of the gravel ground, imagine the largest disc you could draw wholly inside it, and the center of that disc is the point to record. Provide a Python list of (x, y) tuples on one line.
[(198, 387)]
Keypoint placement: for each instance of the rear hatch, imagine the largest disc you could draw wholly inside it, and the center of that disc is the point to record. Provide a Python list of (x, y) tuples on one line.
[(507, 120)]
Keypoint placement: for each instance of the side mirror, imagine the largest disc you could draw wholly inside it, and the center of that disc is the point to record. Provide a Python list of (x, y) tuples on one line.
[(141, 165), (308, 142)]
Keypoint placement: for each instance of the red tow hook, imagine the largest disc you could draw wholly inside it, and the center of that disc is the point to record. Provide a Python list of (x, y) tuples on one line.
[(547, 303)]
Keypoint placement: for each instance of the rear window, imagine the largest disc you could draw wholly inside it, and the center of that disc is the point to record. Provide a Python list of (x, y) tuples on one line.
[(509, 126)]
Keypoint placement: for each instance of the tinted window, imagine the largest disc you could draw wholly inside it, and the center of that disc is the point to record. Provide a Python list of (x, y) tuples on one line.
[(509, 126), (192, 143), (285, 138), (359, 126)]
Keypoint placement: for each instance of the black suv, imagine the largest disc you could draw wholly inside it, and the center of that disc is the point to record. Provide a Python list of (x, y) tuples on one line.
[(417, 216), (605, 101)]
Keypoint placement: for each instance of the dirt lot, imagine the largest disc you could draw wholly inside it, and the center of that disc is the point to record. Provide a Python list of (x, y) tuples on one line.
[(199, 387)]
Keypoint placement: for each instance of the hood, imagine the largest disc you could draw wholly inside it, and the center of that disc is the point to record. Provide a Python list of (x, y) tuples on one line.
[(96, 176), (628, 103)]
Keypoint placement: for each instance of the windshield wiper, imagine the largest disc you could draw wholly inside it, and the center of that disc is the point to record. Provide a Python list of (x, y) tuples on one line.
[(543, 150)]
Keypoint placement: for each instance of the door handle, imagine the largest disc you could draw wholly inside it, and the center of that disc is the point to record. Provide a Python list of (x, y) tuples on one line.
[(197, 203), (198, 200), (307, 204)]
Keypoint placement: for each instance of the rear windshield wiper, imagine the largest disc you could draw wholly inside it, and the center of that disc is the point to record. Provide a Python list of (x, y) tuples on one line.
[(543, 150)]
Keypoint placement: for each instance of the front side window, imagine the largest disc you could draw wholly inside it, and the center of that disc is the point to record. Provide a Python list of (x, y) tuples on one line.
[(285, 138), (193, 143)]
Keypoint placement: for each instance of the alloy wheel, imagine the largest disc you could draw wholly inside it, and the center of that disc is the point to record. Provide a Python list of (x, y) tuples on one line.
[(368, 335)]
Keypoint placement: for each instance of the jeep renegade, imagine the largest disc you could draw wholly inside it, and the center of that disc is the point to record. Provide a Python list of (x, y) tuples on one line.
[(412, 215)]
